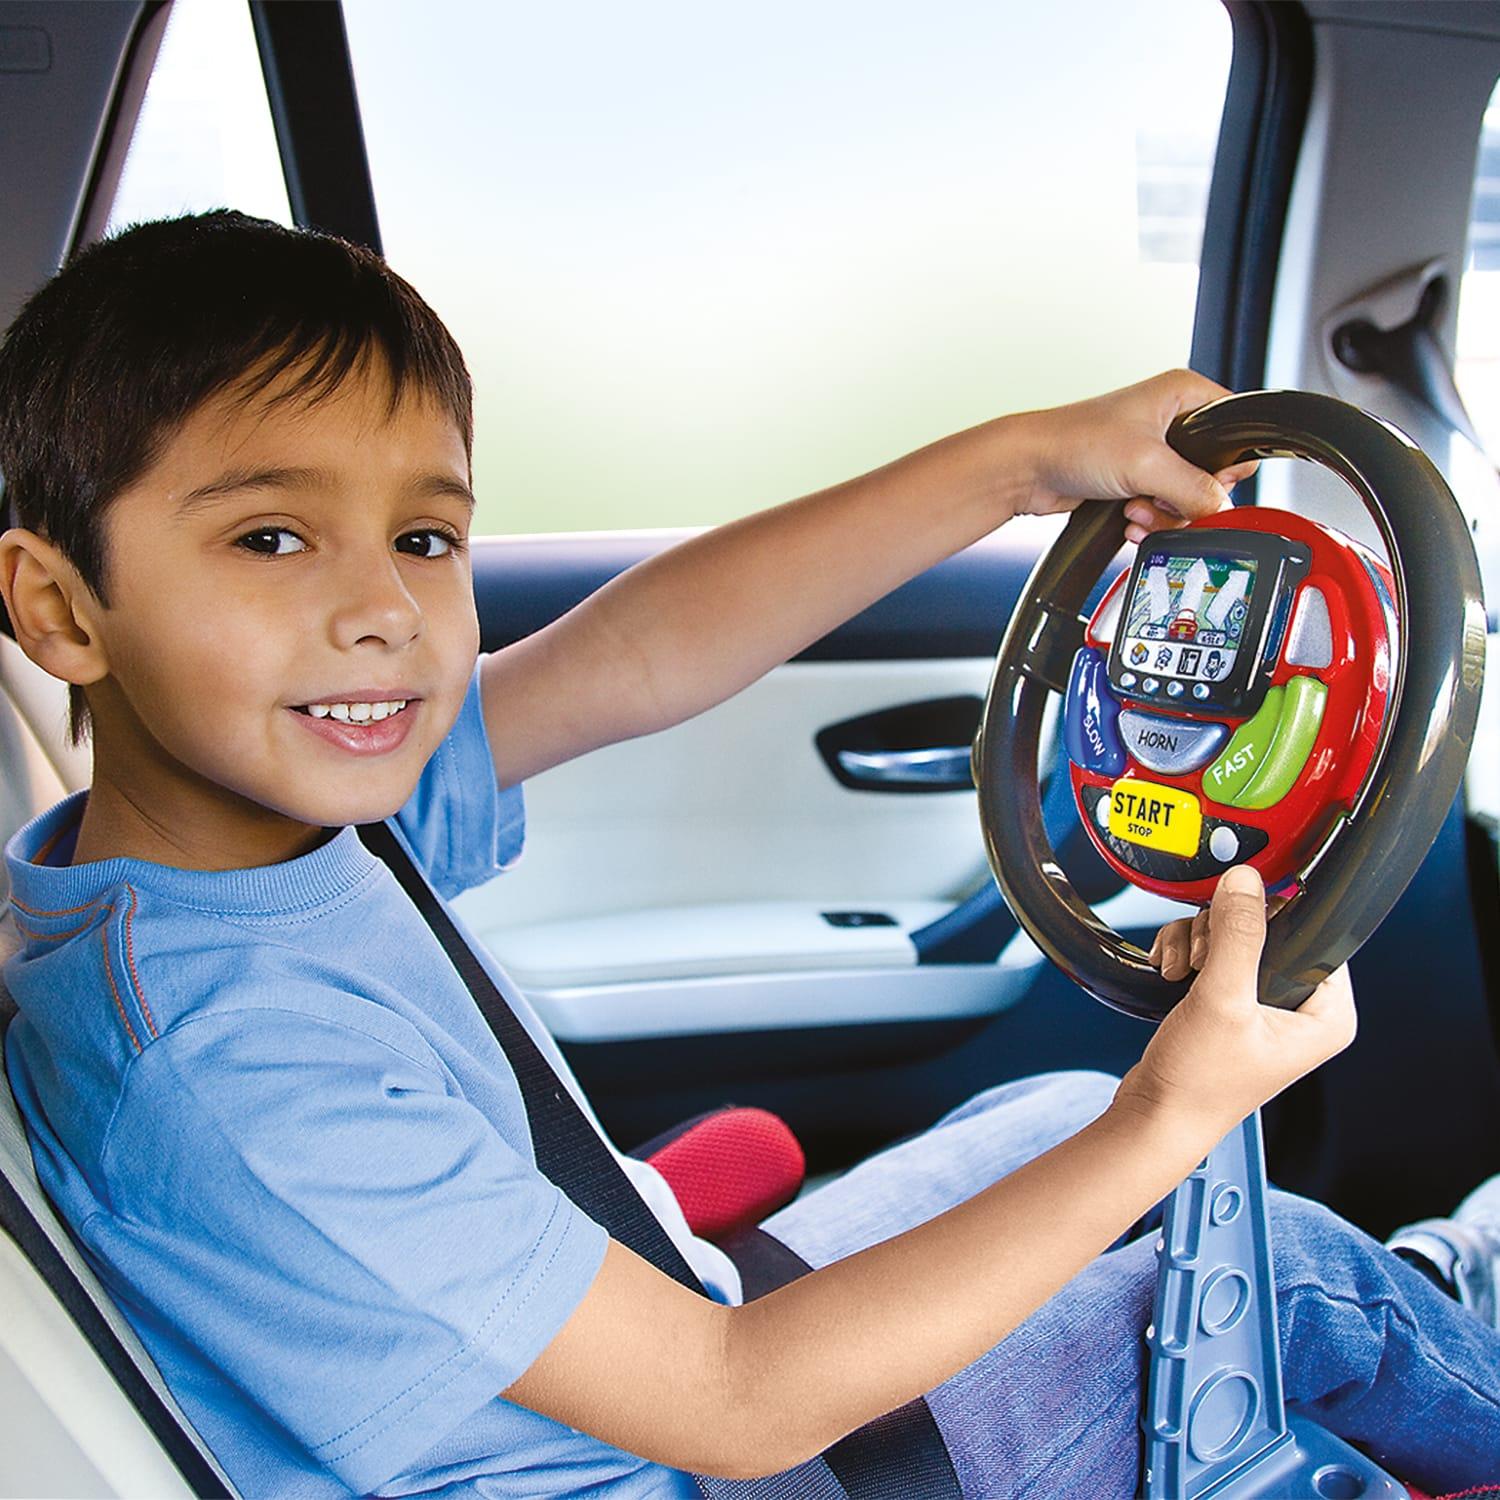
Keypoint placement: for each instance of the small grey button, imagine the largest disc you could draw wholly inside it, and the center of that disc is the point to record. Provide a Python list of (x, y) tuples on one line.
[(1200, 691), (1171, 746), (1223, 844), (1309, 640), (1127, 679), (1174, 690), (1150, 685)]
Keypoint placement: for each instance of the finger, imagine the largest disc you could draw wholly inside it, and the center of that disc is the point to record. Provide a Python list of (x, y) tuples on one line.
[(1172, 482), (1330, 1014), (1236, 472), (1236, 935), (1174, 951), (1160, 519), (1333, 997), (1198, 952)]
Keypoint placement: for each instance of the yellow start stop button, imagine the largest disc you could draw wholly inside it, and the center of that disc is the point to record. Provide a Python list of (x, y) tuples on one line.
[(1157, 817)]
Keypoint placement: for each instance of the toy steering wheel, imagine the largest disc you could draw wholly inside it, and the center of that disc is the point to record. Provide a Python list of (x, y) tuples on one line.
[(1349, 883)]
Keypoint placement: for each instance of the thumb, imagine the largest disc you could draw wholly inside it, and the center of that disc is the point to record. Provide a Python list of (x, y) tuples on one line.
[(1169, 478), (1236, 935)]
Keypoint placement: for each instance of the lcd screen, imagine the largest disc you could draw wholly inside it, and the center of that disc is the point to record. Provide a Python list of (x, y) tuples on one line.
[(1187, 616)]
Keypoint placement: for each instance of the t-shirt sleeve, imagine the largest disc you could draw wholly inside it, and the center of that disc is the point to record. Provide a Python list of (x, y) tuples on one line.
[(462, 826), (355, 1246)]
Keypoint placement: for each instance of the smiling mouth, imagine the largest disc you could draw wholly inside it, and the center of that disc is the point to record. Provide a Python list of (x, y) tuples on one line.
[(355, 713)]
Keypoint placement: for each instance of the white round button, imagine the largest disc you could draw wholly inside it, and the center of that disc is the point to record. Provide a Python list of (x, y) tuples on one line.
[(1223, 844), (1101, 812)]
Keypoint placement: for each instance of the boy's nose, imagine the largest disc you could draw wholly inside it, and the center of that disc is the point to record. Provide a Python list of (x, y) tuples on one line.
[(374, 604)]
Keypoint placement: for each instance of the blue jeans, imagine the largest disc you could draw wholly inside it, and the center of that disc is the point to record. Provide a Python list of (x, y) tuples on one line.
[(1370, 1348)]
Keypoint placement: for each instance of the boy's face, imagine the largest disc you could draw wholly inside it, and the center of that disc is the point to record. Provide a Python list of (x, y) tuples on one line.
[(278, 580)]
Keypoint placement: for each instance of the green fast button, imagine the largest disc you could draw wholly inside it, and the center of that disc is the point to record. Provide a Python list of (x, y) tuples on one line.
[(1301, 714), (1245, 752), (1265, 756)]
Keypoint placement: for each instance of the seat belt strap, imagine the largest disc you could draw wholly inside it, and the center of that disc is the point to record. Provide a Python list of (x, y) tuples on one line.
[(18, 1221), (570, 1153)]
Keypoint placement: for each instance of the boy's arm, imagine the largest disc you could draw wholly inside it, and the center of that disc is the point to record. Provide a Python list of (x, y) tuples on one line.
[(690, 627), (646, 1365)]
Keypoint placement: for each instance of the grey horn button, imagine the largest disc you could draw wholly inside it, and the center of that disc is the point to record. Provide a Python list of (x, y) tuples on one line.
[(1170, 746)]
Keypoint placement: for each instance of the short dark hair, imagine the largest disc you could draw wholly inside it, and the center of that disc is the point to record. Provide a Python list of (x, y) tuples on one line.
[(108, 360)]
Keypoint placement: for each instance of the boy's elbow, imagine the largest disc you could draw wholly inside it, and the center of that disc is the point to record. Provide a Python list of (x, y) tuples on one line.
[(762, 1424), (753, 1450)]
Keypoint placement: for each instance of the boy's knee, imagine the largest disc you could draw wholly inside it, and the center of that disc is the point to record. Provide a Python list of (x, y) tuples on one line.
[(1075, 1095), (1314, 1245)]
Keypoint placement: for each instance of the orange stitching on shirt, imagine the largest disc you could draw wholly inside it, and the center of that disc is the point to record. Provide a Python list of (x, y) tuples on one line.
[(135, 978), (40, 857), (109, 974), (42, 911), (52, 937)]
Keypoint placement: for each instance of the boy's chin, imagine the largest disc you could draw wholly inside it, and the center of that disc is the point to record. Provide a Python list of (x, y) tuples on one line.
[(339, 808)]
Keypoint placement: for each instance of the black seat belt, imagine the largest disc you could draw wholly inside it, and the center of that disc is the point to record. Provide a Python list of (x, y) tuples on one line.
[(874, 1463), (569, 1152)]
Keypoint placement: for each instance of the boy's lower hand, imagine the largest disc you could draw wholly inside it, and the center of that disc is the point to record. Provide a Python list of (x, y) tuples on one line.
[(1113, 448), (1220, 1054)]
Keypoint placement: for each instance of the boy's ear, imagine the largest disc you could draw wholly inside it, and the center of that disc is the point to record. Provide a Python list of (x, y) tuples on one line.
[(52, 610)]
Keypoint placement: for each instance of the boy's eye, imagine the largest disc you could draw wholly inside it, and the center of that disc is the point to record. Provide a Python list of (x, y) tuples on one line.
[(426, 543), (272, 541)]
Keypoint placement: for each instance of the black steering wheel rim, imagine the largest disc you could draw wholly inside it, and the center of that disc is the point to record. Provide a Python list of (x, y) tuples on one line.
[(1418, 768)]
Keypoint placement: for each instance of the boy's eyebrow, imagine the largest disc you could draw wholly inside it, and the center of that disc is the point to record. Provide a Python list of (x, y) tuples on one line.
[(234, 480), (291, 478)]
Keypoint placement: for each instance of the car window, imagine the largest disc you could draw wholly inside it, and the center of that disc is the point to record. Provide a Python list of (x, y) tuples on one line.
[(204, 137), (702, 258), (1477, 366)]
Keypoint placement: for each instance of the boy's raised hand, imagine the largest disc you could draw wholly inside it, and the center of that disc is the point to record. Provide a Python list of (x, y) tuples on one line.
[(1220, 1053), (1113, 448)]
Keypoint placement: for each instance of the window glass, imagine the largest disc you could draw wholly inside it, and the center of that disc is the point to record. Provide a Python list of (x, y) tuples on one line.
[(705, 257), (204, 137), (1477, 367)]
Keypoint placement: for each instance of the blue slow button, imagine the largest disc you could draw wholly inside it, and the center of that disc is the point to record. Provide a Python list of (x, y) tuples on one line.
[(1171, 747), (1091, 715)]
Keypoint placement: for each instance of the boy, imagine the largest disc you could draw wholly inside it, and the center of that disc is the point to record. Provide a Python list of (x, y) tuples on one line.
[(269, 1110)]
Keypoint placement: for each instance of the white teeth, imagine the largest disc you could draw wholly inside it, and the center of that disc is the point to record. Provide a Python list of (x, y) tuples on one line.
[(357, 713)]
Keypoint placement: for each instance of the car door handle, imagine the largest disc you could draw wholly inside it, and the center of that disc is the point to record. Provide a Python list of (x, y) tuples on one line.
[(945, 766)]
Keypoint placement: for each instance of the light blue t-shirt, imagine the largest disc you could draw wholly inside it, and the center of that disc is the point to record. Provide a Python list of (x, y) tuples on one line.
[(287, 1141)]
